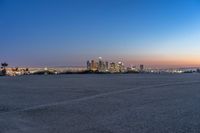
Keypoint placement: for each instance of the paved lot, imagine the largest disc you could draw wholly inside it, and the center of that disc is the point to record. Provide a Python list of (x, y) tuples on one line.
[(137, 103)]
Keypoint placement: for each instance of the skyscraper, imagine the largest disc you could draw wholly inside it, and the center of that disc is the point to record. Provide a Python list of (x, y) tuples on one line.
[(88, 65), (107, 66), (112, 67), (100, 64), (94, 65), (120, 67), (141, 68)]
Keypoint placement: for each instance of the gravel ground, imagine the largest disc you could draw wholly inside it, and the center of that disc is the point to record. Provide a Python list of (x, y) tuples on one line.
[(102, 103)]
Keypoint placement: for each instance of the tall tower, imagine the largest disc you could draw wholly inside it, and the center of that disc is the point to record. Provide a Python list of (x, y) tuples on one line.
[(88, 65), (141, 68), (100, 64), (120, 67), (107, 66), (112, 67), (93, 65)]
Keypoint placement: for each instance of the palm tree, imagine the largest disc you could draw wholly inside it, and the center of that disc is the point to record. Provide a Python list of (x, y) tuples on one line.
[(3, 66)]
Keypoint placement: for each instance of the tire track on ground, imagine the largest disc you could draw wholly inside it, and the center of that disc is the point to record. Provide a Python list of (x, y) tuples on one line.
[(43, 106)]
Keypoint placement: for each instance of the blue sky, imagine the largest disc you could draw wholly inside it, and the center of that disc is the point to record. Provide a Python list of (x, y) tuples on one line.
[(69, 32)]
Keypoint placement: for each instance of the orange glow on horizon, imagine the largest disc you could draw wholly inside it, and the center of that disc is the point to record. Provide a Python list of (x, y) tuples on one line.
[(166, 61)]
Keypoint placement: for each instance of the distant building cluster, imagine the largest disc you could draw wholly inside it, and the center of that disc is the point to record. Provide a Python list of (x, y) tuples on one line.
[(104, 66), (119, 67), (17, 71), (13, 71), (92, 66)]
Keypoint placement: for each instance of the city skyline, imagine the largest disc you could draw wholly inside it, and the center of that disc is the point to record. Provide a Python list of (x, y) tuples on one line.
[(68, 33)]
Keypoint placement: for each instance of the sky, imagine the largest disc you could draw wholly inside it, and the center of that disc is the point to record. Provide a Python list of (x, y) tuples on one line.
[(156, 33)]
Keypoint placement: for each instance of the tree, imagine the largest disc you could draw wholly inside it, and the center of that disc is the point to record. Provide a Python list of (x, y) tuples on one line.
[(4, 65)]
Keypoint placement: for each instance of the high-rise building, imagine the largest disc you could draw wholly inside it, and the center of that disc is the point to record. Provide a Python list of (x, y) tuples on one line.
[(112, 67), (88, 65), (94, 65), (100, 64), (107, 66), (141, 68), (120, 67)]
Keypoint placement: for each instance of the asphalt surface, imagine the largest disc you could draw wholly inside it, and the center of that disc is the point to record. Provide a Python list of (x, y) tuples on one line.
[(110, 103)]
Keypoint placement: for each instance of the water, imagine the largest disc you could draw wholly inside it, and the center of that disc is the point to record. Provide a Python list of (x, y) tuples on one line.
[(110, 103)]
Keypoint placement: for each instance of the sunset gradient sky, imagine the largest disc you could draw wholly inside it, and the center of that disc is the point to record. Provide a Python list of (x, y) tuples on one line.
[(161, 33)]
